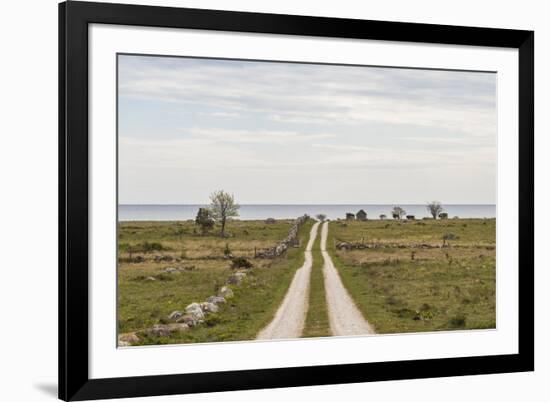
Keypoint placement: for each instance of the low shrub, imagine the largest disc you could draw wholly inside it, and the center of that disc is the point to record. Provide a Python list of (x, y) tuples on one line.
[(227, 250), (240, 262), (212, 320), (458, 321)]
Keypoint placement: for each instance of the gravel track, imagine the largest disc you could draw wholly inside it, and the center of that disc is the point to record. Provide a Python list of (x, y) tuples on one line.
[(344, 316), (291, 316)]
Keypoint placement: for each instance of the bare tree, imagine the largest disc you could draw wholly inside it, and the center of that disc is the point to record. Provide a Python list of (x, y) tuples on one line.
[(223, 207), (397, 212), (321, 217), (434, 208)]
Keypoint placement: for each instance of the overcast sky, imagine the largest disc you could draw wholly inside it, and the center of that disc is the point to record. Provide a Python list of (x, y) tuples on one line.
[(285, 133)]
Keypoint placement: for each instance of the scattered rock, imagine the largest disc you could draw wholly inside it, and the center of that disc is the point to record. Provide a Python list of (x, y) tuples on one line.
[(216, 299), (207, 307), (166, 329), (188, 319), (236, 278), (127, 339), (150, 278), (194, 309), (344, 246), (158, 330), (179, 327), (174, 315), (226, 292), (171, 270)]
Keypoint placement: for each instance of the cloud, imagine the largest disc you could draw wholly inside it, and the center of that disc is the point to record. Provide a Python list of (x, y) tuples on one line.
[(313, 94), (259, 128), (225, 114), (259, 136)]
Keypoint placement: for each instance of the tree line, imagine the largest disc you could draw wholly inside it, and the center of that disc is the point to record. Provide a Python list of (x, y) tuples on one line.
[(434, 208)]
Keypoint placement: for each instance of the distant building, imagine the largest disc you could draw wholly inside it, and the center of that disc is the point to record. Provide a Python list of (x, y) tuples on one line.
[(350, 216), (361, 215)]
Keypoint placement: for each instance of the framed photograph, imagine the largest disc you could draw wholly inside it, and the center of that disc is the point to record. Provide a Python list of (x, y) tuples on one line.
[(257, 200)]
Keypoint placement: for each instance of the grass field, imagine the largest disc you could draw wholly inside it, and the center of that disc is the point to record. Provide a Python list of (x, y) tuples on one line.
[(409, 283), (201, 271), (317, 323)]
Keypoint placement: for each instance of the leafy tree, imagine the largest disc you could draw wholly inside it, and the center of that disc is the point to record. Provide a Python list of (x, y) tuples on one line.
[(434, 208), (205, 220), (382, 217), (397, 212), (321, 217), (222, 208)]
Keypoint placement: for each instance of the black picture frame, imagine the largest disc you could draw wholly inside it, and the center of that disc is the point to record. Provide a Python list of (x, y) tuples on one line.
[(74, 18)]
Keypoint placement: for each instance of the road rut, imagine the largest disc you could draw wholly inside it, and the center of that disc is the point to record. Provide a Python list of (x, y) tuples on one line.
[(344, 316), (291, 316)]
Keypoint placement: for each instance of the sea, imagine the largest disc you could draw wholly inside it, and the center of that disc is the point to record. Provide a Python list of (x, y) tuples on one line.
[(252, 212)]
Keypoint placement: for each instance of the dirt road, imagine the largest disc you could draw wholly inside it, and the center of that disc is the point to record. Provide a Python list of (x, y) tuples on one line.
[(291, 315), (344, 316)]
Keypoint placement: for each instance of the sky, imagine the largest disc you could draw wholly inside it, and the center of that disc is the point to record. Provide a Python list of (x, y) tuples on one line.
[(294, 133)]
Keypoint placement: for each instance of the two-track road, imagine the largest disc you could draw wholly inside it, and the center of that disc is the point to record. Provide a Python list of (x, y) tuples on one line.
[(344, 316), (290, 318)]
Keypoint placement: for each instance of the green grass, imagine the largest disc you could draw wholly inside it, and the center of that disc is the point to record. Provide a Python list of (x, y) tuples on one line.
[(480, 232), (415, 290), (317, 322), (203, 270)]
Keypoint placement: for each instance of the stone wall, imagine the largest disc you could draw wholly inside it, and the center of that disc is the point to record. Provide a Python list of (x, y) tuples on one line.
[(289, 241)]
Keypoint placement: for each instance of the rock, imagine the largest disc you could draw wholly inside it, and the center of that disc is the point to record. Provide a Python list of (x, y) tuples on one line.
[(150, 278), (236, 278), (160, 258), (159, 330), (174, 315), (188, 319), (127, 339), (171, 270), (225, 292), (166, 330), (209, 307), (194, 309), (343, 246), (216, 299), (179, 327)]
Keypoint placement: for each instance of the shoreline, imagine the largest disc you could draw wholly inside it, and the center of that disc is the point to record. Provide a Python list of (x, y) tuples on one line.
[(291, 219), (291, 211)]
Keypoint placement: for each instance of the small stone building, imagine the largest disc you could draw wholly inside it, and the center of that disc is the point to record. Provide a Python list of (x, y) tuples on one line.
[(361, 215)]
